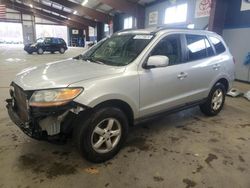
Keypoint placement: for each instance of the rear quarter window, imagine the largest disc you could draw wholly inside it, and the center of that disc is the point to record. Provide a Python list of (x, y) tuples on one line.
[(218, 45)]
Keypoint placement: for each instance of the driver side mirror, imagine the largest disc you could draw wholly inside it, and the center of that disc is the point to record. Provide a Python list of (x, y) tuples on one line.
[(157, 61)]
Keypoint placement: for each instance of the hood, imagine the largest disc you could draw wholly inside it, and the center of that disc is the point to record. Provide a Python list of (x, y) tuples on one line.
[(27, 45), (30, 44), (62, 73)]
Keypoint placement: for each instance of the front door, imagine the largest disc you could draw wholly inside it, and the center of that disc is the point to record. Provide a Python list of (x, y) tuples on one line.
[(163, 88)]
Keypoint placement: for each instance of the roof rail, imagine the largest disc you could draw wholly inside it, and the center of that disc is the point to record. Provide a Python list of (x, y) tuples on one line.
[(164, 27)]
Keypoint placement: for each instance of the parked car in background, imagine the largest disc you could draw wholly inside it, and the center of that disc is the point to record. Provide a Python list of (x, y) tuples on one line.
[(131, 76), (48, 44)]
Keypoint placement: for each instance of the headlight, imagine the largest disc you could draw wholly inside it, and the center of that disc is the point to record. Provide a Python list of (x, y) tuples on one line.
[(54, 97)]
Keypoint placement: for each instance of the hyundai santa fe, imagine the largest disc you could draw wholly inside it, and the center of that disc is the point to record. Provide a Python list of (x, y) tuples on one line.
[(131, 76)]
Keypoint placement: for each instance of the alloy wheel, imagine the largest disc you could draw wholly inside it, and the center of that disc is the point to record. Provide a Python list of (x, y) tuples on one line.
[(106, 135), (217, 99)]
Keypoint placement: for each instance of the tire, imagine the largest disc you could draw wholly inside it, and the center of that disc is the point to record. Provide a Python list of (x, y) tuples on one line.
[(40, 51), (87, 135), (215, 100), (62, 50), (29, 52)]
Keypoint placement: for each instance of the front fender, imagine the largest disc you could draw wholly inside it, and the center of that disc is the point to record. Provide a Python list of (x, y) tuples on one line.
[(117, 87), (120, 97)]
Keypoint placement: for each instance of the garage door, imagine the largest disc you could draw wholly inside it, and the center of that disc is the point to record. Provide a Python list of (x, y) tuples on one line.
[(11, 33)]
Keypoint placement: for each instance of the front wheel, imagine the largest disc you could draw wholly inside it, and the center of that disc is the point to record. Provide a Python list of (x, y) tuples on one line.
[(101, 136), (215, 100), (40, 51)]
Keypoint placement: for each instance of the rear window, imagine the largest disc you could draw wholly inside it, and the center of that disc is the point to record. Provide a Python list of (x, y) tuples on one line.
[(198, 47), (218, 45)]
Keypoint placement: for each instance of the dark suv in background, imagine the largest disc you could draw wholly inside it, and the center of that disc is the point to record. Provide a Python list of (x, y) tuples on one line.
[(49, 44)]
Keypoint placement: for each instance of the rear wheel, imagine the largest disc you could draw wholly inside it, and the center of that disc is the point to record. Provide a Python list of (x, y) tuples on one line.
[(62, 50), (40, 51), (101, 136), (215, 100)]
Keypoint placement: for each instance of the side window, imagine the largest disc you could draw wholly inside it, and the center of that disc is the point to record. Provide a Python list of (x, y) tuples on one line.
[(218, 45), (54, 40), (48, 40), (198, 47), (169, 46)]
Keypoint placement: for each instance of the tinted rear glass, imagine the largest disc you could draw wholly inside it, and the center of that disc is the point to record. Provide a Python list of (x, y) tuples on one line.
[(198, 47), (218, 45)]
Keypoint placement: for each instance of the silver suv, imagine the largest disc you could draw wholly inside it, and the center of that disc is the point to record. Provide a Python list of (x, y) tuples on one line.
[(133, 75)]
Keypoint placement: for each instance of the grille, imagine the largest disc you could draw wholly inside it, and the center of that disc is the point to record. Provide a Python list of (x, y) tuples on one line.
[(21, 103)]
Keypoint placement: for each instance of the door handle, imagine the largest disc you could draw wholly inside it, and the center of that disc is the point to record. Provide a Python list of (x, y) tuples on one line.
[(182, 75)]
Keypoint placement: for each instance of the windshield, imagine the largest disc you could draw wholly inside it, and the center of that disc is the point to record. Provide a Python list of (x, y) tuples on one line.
[(40, 40), (118, 50), (86, 55)]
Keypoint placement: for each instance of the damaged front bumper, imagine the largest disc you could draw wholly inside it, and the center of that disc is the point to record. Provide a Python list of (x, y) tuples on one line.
[(28, 128), (46, 123)]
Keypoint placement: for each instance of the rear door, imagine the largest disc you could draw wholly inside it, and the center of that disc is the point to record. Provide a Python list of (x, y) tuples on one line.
[(201, 69), (55, 44), (47, 44)]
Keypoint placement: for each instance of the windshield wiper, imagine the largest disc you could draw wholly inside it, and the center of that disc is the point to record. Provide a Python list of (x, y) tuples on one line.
[(90, 59), (99, 62)]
